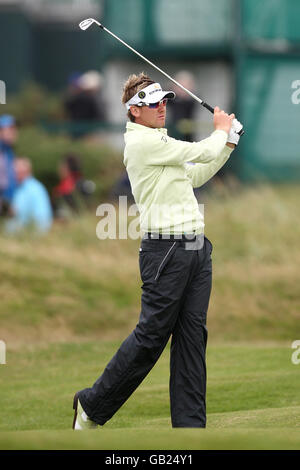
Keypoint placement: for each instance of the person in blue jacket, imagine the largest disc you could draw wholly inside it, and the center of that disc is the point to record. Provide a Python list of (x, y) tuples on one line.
[(8, 137), (30, 205)]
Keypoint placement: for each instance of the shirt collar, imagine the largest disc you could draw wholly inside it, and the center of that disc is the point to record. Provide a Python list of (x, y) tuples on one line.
[(132, 126)]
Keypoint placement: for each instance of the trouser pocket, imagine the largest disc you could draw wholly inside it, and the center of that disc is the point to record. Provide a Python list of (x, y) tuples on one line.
[(154, 256), (164, 262)]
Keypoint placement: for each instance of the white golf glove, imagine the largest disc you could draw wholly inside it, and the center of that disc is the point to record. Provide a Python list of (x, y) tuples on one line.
[(233, 136)]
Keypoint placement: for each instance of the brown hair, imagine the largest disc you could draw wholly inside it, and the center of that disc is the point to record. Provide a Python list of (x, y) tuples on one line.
[(133, 84)]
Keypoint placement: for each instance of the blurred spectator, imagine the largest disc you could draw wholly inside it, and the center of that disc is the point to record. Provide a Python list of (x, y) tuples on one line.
[(8, 137), (183, 108), (30, 206), (84, 102), (122, 188), (72, 189)]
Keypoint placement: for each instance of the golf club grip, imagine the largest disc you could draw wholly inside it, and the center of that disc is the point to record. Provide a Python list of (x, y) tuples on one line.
[(207, 106)]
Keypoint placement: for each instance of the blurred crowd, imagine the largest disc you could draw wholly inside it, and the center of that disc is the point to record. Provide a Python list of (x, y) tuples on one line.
[(84, 101), (25, 202)]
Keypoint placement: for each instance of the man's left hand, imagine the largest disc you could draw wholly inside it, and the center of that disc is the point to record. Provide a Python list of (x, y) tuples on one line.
[(233, 136)]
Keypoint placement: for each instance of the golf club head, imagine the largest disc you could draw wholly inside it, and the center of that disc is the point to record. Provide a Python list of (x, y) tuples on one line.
[(85, 24)]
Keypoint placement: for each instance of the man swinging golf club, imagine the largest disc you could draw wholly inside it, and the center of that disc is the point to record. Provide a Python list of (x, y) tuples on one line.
[(175, 260)]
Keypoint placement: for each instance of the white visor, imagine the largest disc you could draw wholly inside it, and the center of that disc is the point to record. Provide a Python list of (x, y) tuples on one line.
[(151, 94)]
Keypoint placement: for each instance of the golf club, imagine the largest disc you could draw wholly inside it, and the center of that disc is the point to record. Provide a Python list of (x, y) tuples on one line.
[(85, 24)]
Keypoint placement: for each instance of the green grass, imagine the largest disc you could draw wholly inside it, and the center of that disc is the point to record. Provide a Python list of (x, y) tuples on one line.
[(158, 439), (71, 284), (68, 299), (252, 400)]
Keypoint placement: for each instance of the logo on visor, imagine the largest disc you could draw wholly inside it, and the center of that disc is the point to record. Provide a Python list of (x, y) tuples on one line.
[(142, 95)]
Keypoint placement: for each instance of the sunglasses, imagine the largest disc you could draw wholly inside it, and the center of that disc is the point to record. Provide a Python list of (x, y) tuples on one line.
[(154, 105)]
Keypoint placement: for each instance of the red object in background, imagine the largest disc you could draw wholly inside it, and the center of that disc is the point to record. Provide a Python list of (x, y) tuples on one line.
[(69, 175), (66, 186)]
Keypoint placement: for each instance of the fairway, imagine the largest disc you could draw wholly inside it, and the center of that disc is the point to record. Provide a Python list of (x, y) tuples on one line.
[(253, 400), (149, 237), (67, 305)]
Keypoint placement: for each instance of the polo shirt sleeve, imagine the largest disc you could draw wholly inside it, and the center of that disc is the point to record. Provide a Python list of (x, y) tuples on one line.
[(200, 173), (161, 149)]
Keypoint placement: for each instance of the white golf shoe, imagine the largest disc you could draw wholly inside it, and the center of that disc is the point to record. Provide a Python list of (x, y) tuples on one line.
[(81, 421)]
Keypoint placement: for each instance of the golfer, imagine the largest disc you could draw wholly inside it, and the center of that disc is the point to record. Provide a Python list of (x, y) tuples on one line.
[(175, 260)]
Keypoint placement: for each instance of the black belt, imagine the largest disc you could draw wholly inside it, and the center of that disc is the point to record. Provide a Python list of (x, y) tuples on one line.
[(186, 237)]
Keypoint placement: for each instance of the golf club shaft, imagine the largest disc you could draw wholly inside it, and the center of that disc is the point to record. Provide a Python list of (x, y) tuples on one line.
[(207, 106)]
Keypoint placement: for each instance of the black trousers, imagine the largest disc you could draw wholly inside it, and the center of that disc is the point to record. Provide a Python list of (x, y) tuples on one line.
[(175, 296)]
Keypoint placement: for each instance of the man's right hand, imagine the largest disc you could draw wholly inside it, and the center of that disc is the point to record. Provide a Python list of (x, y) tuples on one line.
[(222, 120)]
